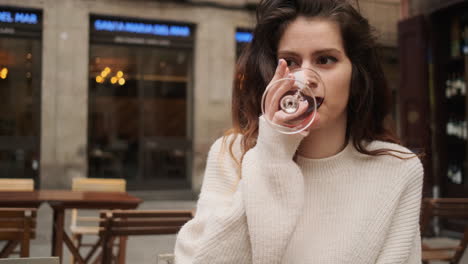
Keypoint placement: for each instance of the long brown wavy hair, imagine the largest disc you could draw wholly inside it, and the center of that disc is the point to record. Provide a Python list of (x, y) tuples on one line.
[(369, 101)]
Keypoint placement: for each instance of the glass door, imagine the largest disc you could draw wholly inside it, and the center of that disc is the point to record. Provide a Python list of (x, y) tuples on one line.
[(139, 115), (165, 134), (19, 107)]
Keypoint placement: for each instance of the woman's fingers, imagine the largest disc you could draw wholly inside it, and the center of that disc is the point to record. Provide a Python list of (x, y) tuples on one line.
[(282, 89), (281, 71), (270, 109)]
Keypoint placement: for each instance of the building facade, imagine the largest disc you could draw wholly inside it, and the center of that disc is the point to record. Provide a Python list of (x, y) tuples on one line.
[(120, 88)]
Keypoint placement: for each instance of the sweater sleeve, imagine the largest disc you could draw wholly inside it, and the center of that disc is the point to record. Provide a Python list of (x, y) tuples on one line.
[(274, 193), (218, 231), (403, 241), (247, 219)]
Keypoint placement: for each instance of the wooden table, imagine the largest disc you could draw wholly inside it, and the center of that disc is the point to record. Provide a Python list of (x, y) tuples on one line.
[(60, 200)]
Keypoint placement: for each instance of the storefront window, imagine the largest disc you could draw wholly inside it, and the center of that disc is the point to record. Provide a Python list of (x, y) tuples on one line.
[(20, 60), (140, 112)]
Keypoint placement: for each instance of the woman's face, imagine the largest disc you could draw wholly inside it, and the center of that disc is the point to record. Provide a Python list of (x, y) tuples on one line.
[(317, 44)]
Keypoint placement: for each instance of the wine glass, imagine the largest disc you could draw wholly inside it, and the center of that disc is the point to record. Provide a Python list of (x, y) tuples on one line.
[(290, 104)]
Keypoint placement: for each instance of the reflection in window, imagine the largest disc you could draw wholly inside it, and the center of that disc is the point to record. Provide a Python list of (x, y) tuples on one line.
[(19, 108), (138, 112)]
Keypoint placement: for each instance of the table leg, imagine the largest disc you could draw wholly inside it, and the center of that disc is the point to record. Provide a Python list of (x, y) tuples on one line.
[(57, 232), (122, 249)]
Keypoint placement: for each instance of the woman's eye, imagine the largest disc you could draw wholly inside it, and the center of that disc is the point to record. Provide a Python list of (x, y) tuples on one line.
[(290, 62), (326, 60)]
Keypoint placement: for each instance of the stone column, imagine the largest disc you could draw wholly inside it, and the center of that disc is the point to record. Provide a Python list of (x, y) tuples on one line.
[(64, 92)]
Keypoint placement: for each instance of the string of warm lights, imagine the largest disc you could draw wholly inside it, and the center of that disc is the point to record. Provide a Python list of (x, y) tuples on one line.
[(4, 73), (118, 78)]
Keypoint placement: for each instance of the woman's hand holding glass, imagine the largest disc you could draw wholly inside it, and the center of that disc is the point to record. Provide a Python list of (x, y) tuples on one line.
[(291, 99)]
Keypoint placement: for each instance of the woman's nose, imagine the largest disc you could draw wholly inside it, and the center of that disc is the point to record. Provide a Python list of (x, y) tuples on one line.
[(307, 65)]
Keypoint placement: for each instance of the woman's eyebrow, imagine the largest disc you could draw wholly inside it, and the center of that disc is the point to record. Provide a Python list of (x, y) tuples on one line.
[(326, 51), (320, 51), (287, 52)]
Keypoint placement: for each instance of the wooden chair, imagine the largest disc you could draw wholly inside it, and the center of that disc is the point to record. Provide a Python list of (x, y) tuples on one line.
[(17, 227), (8, 184), (50, 260), (448, 208), (13, 184), (115, 223), (78, 227)]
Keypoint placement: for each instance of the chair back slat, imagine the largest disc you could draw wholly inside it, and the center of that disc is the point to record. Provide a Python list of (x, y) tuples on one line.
[(17, 212), (141, 222), (8, 184), (18, 225), (148, 213), (455, 206), (99, 185), (15, 234), (449, 214), (145, 231), (446, 208)]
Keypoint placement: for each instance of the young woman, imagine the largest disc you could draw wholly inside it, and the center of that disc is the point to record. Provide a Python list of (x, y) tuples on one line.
[(344, 191)]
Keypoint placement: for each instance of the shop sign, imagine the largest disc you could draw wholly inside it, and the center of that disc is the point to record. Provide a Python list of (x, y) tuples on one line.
[(136, 31), (20, 21), (19, 17), (166, 30), (243, 37)]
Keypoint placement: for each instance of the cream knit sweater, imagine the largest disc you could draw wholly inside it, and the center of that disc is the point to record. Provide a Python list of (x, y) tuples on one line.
[(348, 208)]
